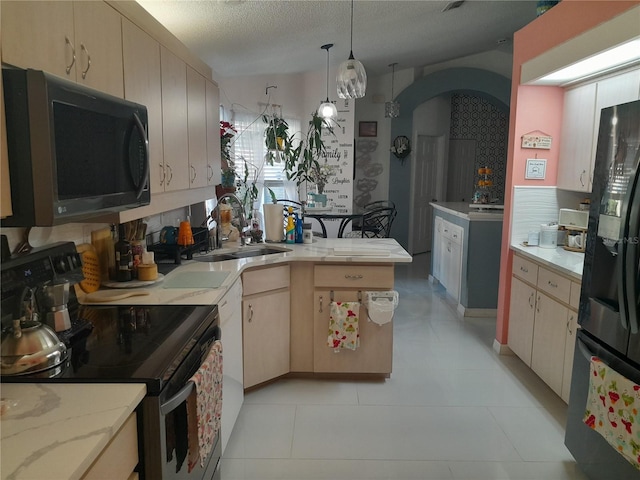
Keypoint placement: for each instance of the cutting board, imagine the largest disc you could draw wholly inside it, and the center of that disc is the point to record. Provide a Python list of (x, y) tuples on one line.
[(196, 280), (90, 267), (111, 295), (103, 243)]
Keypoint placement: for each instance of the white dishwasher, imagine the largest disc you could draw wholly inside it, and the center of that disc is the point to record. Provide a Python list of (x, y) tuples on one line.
[(230, 313)]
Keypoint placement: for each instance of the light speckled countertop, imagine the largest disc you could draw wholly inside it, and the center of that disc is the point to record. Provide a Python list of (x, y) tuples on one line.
[(463, 210), (56, 431), (360, 250), (570, 263)]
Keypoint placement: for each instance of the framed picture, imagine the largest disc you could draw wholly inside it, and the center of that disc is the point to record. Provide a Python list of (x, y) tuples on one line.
[(536, 169), (368, 129)]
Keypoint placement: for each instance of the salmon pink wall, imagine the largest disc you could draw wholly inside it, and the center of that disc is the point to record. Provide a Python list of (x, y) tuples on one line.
[(543, 113), (540, 108)]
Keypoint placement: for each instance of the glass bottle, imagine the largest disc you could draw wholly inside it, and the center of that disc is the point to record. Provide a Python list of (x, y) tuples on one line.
[(124, 257)]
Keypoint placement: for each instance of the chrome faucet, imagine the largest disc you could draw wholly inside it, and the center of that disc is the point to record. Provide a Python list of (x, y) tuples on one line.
[(243, 219)]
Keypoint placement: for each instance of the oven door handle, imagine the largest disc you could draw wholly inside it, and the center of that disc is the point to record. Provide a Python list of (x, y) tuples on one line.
[(171, 404)]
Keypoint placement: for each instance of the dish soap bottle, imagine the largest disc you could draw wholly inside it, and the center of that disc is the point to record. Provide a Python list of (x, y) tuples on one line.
[(298, 229), (291, 228)]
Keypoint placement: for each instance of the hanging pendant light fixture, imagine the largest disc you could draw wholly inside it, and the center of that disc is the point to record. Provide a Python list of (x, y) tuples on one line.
[(392, 108), (327, 109), (352, 78)]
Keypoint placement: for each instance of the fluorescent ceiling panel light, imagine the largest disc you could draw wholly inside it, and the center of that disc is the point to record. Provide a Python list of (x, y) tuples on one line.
[(602, 62)]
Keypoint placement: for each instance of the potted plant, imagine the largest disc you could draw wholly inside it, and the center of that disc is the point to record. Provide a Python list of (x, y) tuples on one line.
[(301, 161), (227, 132), (276, 133)]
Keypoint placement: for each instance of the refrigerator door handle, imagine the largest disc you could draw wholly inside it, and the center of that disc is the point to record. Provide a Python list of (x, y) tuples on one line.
[(584, 350), (628, 254)]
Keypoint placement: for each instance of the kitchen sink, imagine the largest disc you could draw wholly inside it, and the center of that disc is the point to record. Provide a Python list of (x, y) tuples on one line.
[(244, 252)]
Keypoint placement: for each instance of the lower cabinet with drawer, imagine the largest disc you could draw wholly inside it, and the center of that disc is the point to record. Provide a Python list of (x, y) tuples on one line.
[(265, 324), (543, 321), (342, 283)]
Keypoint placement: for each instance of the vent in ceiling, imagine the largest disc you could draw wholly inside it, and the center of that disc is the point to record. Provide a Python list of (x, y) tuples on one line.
[(453, 5)]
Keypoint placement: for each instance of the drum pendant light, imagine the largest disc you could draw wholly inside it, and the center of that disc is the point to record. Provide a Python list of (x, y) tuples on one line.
[(327, 109), (352, 78), (392, 109)]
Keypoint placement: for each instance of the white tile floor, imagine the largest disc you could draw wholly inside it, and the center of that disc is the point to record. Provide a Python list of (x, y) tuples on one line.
[(452, 409)]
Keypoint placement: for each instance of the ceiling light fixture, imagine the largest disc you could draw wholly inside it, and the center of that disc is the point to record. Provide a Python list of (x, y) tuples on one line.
[(392, 109), (327, 109), (352, 78)]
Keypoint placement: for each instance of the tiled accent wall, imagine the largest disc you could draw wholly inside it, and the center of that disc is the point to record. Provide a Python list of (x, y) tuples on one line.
[(477, 119), (533, 206)]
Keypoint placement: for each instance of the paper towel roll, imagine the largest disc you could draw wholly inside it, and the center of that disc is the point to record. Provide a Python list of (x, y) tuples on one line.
[(273, 222)]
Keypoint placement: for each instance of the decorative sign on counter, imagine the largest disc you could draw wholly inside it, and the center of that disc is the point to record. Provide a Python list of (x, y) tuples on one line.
[(536, 169), (536, 139)]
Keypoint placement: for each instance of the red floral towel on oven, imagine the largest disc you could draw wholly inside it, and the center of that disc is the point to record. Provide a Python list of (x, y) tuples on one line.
[(204, 406), (612, 410)]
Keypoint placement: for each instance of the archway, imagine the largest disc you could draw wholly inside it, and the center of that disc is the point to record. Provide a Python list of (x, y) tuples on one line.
[(475, 81)]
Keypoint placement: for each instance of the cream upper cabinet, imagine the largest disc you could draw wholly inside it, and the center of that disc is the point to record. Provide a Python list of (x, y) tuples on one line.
[(141, 58), (581, 122), (98, 34), (213, 133), (197, 128), (39, 35), (68, 39), (175, 137), (576, 144)]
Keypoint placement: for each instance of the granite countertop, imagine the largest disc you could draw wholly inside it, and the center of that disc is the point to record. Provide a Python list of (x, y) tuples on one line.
[(357, 250), (55, 431), (569, 263), (463, 210)]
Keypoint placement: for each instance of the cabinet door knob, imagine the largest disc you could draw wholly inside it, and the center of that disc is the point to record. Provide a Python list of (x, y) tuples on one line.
[(84, 49), (551, 284), (163, 174), (354, 277), (320, 303), (73, 54), (524, 269), (250, 313)]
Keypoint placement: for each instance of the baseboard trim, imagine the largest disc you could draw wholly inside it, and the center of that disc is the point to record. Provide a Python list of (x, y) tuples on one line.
[(501, 349)]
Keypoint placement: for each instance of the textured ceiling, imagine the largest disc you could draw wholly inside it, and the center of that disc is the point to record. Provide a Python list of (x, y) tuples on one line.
[(261, 37)]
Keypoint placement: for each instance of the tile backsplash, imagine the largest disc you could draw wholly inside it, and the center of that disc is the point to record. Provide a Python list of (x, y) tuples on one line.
[(533, 206)]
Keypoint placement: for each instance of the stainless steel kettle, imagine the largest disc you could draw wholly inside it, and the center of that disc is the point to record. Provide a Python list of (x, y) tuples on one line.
[(30, 347)]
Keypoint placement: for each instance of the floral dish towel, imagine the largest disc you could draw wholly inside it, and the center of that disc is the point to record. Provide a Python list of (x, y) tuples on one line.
[(204, 406), (343, 326), (612, 410)]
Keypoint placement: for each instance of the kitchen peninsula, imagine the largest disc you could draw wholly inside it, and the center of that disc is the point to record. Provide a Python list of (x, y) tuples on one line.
[(466, 254)]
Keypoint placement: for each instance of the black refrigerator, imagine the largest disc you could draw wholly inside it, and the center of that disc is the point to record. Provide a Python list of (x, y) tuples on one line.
[(609, 300)]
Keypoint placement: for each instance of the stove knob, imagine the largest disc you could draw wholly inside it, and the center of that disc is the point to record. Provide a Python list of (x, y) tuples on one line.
[(59, 264)]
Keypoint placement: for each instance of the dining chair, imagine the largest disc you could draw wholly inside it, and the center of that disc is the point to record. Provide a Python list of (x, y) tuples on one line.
[(375, 224), (357, 223)]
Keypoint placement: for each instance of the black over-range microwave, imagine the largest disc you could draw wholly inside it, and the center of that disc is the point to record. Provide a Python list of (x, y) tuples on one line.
[(74, 153)]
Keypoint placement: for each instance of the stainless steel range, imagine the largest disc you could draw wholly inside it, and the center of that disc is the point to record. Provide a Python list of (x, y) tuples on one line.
[(161, 346)]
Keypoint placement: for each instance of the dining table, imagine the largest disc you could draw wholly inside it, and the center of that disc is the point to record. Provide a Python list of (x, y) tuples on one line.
[(327, 214)]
